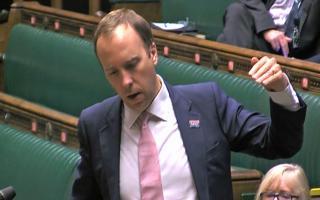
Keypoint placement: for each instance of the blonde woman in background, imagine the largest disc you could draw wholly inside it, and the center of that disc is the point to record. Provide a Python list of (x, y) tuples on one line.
[(284, 182)]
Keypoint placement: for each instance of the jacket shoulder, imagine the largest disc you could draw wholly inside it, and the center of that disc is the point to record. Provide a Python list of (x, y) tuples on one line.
[(99, 110)]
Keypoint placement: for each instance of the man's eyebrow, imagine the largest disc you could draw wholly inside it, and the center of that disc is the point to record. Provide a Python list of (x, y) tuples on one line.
[(133, 60), (109, 68)]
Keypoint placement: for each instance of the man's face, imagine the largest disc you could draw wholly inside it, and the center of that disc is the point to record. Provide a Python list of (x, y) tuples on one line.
[(129, 67)]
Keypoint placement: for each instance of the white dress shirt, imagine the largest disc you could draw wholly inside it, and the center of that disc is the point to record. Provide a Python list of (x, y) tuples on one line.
[(287, 98), (280, 11), (176, 176)]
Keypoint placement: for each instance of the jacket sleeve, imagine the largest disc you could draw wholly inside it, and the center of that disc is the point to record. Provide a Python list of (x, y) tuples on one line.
[(277, 136), (85, 186), (261, 16)]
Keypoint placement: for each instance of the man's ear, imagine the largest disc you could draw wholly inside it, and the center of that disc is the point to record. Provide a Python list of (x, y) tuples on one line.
[(154, 53)]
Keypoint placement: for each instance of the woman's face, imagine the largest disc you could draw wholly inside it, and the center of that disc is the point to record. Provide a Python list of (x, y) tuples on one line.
[(283, 189)]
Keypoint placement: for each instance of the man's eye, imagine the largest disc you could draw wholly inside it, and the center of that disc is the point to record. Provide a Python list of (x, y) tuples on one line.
[(131, 66), (112, 73)]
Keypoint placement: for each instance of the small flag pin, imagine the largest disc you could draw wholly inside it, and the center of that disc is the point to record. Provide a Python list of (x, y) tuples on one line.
[(194, 123)]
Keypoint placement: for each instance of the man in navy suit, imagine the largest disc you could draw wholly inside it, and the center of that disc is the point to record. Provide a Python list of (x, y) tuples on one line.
[(194, 126)]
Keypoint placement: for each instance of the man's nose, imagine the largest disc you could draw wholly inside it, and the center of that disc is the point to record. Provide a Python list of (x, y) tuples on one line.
[(126, 78)]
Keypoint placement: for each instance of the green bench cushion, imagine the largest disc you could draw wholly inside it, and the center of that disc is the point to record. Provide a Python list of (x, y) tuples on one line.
[(178, 72), (37, 169), (62, 72), (52, 69), (206, 14)]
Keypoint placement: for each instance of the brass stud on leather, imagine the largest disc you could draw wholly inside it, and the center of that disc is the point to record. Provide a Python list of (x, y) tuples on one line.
[(63, 137), (34, 125), (305, 83), (197, 58), (33, 20), (230, 66), (56, 25), (82, 31), (166, 51)]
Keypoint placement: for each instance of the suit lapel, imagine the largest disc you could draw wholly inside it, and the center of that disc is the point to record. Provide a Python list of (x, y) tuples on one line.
[(110, 147), (189, 123), (305, 7)]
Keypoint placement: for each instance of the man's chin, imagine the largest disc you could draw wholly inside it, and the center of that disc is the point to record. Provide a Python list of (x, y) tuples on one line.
[(137, 106), (139, 103)]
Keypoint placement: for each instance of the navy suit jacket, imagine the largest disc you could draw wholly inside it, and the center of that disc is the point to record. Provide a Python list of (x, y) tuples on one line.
[(224, 126)]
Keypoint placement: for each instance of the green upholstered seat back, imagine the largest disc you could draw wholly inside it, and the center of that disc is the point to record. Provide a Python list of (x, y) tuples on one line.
[(37, 169), (177, 72), (206, 14), (55, 70), (62, 72)]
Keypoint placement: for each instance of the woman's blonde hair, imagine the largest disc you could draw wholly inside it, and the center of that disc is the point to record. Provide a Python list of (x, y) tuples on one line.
[(294, 176)]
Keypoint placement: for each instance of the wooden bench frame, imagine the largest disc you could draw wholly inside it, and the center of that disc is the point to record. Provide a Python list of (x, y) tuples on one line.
[(304, 75), (43, 122)]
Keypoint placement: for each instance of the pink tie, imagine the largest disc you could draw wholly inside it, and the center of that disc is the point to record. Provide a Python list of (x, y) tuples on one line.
[(149, 168)]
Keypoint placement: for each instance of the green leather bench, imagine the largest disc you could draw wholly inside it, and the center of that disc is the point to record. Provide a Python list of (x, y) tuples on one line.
[(36, 168), (206, 14), (61, 72), (148, 9), (53, 70)]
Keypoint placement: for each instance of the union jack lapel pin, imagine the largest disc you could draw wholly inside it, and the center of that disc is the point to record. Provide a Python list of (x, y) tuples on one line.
[(194, 123)]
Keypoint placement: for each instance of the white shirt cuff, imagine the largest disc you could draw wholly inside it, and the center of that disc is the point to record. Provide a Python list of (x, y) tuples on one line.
[(286, 98)]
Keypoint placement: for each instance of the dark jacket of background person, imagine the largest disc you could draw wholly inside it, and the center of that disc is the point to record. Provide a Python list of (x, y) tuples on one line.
[(309, 26)]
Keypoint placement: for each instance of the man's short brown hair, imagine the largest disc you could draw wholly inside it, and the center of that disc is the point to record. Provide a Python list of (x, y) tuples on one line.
[(124, 17)]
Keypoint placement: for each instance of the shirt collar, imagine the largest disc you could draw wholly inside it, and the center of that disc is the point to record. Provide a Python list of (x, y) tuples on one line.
[(158, 107)]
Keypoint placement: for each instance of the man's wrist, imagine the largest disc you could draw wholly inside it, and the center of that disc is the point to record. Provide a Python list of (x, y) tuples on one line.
[(287, 98)]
